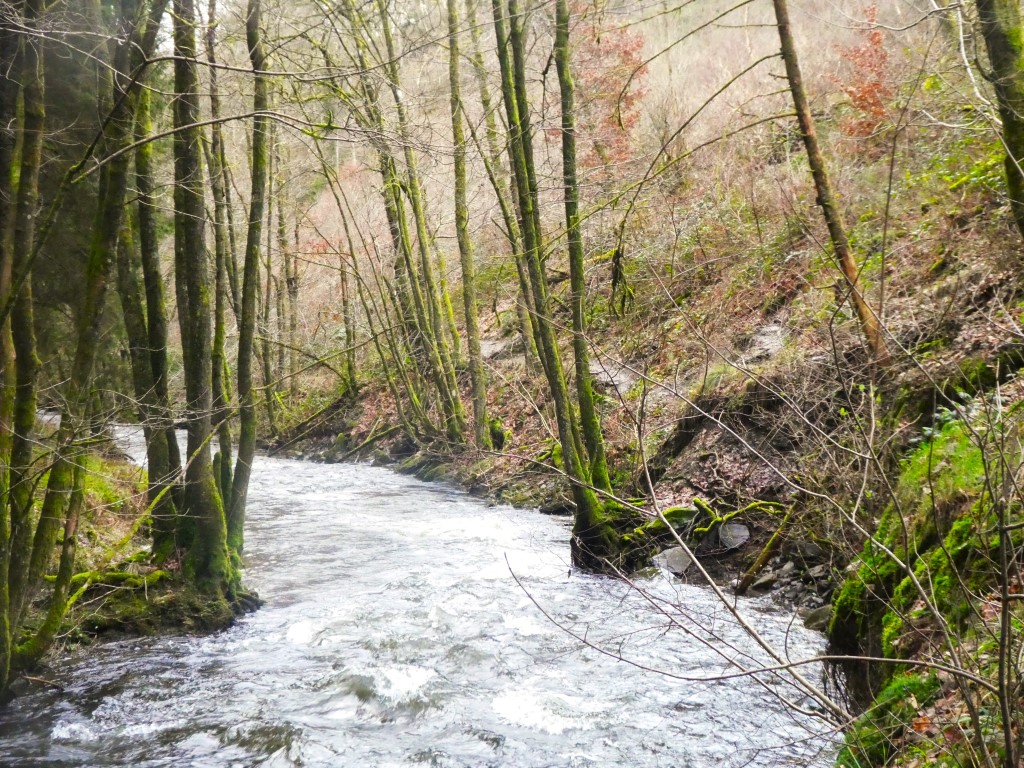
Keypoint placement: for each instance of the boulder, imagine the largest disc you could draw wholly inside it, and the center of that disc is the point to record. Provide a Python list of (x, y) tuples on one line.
[(818, 618), (733, 535), (674, 560)]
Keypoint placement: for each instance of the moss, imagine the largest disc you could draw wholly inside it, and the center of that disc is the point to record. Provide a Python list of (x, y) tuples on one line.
[(146, 605), (875, 736)]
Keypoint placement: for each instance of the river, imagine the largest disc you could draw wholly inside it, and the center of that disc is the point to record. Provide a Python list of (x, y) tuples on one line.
[(403, 627)]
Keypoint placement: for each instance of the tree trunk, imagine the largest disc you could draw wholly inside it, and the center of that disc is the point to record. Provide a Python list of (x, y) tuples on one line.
[(503, 190), (437, 301), (250, 281), (595, 542), (207, 564), (589, 422), (218, 187), (1004, 38), (9, 45), (120, 92), (826, 197), (162, 451), (481, 433), (22, 324)]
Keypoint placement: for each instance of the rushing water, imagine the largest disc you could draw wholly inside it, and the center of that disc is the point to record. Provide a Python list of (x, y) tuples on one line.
[(403, 627)]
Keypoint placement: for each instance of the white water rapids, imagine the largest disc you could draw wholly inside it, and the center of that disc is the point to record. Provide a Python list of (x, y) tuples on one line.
[(395, 633)]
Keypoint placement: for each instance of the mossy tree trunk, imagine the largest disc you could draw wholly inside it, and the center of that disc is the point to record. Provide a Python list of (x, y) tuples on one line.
[(826, 197), (29, 66), (1003, 31), (162, 451), (481, 434), (215, 160), (9, 44), (118, 98), (595, 543), (504, 192), (437, 301), (250, 279), (266, 358), (207, 564), (589, 422)]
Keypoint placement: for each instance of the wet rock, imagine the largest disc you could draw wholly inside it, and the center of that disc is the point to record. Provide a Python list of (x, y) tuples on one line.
[(818, 618), (558, 508), (674, 560)]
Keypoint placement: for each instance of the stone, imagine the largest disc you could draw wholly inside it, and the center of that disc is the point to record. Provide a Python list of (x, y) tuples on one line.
[(818, 572), (767, 342), (818, 618), (765, 581), (733, 535), (674, 560), (808, 550)]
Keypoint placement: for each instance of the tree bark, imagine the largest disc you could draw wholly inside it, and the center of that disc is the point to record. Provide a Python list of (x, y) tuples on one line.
[(481, 433), (119, 94), (218, 187), (207, 564), (594, 542), (33, 122), (9, 45), (1004, 38), (250, 280), (162, 451), (869, 324), (503, 190), (589, 422)]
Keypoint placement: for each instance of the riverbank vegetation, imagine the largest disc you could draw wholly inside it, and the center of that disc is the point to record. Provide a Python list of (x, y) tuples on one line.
[(740, 280)]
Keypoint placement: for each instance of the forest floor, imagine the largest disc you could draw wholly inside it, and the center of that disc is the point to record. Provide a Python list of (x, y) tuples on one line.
[(118, 591)]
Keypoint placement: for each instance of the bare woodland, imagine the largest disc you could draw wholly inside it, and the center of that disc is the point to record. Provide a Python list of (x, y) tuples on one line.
[(664, 266)]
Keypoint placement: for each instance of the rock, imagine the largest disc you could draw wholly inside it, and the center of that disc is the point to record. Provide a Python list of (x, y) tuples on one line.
[(818, 572), (767, 342), (557, 508), (808, 550), (765, 581), (492, 349), (674, 560), (818, 618), (613, 378), (733, 535), (788, 568)]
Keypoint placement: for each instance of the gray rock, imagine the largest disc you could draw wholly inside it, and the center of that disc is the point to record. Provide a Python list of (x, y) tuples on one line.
[(818, 572), (492, 349), (612, 377), (788, 568), (808, 550), (733, 535), (768, 341), (818, 618), (765, 581), (674, 560)]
